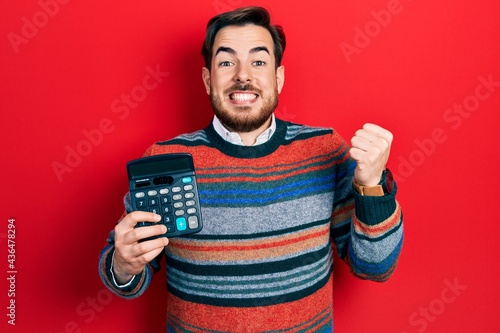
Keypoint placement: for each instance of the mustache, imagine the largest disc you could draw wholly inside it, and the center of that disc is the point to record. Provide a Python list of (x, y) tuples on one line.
[(242, 87)]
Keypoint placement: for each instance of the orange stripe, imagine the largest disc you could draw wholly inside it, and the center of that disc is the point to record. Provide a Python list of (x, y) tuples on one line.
[(262, 245), (379, 228), (253, 251), (346, 208), (344, 213)]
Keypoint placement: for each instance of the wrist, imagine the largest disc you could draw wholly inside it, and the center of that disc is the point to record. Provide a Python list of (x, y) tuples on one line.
[(118, 274), (384, 185), (122, 278), (370, 191)]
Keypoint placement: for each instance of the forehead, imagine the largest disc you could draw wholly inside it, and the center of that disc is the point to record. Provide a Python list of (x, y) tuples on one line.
[(243, 38)]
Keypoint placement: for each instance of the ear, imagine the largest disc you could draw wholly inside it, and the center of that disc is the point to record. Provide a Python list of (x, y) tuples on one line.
[(205, 74), (280, 78)]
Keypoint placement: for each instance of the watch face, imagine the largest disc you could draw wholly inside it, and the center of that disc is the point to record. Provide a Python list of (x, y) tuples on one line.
[(389, 181)]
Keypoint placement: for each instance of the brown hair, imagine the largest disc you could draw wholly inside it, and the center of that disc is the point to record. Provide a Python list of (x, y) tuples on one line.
[(247, 15)]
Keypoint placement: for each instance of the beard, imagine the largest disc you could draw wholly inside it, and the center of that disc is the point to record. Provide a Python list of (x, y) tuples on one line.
[(242, 120)]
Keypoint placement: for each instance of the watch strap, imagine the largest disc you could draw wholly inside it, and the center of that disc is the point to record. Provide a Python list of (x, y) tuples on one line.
[(369, 191)]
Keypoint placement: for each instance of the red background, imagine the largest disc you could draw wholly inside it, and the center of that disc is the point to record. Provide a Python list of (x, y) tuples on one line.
[(64, 70)]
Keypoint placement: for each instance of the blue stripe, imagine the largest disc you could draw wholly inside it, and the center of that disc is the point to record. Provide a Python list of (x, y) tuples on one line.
[(267, 191), (371, 268), (260, 199)]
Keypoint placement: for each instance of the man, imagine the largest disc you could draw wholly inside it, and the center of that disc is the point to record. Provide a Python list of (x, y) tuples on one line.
[(276, 199)]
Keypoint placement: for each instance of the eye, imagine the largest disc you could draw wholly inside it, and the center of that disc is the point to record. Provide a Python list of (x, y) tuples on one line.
[(259, 63), (225, 64)]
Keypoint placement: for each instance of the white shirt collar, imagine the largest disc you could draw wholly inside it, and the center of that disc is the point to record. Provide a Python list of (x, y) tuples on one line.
[(234, 138)]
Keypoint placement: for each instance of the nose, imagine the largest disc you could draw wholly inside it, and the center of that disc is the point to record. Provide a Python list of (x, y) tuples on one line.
[(243, 74)]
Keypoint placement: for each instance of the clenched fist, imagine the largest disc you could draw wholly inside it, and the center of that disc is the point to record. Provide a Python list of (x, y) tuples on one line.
[(371, 146)]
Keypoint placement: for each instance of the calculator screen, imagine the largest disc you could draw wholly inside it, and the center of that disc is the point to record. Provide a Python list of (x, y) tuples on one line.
[(159, 167)]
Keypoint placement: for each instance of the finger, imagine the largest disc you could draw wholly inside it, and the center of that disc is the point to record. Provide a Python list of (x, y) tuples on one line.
[(361, 143), (357, 154), (369, 142), (367, 158), (146, 257), (379, 131), (136, 234), (366, 134), (131, 219), (143, 248)]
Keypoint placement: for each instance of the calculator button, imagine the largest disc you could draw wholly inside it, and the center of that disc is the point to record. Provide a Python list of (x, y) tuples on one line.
[(190, 203), (165, 199), (177, 197), (179, 204), (193, 222), (191, 210), (168, 218), (187, 180), (170, 227), (140, 203), (188, 187), (181, 223), (176, 189), (153, 202), (155, 210), (139, 195), (179, 212), (164, 191), (166, 209), (152, 193), (189, 195)]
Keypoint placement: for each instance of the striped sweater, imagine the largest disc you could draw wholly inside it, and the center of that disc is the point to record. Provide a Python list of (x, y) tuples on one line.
[(273, 217)]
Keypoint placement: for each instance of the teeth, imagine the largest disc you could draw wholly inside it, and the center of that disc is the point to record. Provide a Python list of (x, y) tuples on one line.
[(243, 97)]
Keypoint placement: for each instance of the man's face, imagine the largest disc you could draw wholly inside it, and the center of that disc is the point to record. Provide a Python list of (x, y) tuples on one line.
[(243, 82)]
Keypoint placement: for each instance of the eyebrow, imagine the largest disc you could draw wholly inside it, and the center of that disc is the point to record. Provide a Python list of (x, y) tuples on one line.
[(233, 52)]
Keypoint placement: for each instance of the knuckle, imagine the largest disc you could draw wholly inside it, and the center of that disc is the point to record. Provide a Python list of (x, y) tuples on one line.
[(122, 256), (142, 260), (127, 258), (382, 145), (118, 243), (390, 137), (142, 248), (136, 234)]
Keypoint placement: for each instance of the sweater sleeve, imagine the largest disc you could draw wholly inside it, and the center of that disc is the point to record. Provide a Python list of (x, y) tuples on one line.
[(138, 285), (367, 231)]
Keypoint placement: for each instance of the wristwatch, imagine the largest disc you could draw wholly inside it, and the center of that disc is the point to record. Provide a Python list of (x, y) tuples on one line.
[(384, 186)]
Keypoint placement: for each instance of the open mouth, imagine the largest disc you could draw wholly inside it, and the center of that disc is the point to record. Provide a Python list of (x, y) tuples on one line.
[(243, 97)]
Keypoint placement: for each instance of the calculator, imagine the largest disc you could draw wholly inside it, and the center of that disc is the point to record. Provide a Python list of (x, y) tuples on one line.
[(166, 185)]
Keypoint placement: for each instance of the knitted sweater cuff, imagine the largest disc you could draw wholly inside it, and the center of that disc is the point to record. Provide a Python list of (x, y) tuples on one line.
[(372, 210), (131, 290)]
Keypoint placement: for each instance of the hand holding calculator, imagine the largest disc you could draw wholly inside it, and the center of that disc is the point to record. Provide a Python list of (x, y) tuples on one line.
[(166, 185)]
